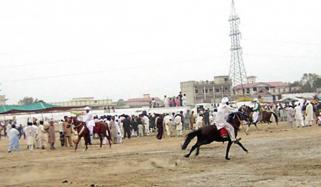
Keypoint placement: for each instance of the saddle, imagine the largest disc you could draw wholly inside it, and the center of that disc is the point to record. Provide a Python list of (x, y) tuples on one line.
[(223, 133)]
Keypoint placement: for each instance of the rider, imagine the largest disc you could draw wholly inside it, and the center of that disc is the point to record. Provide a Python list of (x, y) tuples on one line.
[(90, 123), (223, 112), (256, 110)]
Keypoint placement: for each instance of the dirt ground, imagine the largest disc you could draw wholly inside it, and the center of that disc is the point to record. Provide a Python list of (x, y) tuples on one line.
[(278, 156)]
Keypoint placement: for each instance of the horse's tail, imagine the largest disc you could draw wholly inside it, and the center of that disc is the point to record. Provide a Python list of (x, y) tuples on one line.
[(189, 137), (276, 118)]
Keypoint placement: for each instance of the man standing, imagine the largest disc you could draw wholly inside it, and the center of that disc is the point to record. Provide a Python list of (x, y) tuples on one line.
[(221, 119), (51, 135), (179, 125), (256, 110), (207, 117), (67, 132), (159, 125), (127, 129), (290, 115), (298, 115), (180, 98), (30, 133), (90, 123), (145, 121), (13, 136), (309, 114), (192, 121), (168, 123), (184, 100), (166, 102), (42, 135)]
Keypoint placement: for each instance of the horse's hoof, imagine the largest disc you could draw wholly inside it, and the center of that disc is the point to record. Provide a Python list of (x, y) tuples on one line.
[(226, 158), (186, 156)]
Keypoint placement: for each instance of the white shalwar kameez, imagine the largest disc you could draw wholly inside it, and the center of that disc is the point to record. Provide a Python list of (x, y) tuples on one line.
[(179, 125), (146, 124), (90, 122), (299, 116), (309, 115), (221, 117), (168, 123), (256, 112)]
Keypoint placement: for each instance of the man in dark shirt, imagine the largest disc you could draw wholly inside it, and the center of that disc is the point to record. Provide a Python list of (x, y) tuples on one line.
[(127, 128)]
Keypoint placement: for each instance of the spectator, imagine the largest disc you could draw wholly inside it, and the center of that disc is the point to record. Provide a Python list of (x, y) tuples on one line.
[(13, 135)]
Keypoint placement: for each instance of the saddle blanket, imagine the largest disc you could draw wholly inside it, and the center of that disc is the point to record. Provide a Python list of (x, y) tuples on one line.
[(223, 133)]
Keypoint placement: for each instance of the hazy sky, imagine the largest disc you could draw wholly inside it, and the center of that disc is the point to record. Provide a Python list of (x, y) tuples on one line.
[(57, 50)]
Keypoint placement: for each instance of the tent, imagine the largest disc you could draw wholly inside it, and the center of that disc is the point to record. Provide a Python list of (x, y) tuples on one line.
[(288, 100), (32, 108)]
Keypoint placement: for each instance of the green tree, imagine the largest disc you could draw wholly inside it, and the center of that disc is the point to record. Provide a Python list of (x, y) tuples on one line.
[(121, 102), (27, 101), (317, 83)]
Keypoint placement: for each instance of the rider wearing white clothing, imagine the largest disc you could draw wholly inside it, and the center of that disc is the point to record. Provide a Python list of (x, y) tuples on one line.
[(90, 122), (256, 110), (221, 118)]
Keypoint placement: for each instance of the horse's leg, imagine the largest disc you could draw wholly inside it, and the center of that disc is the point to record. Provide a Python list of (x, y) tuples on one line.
[(247, 129), (86, 143), (109, 140), (101, 140), (193, 148), (79, 138), (197, 150), (244, 149), (228, 150)]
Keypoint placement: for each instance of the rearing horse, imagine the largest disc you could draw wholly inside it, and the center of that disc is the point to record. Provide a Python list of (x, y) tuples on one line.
[(100, 128), (208, 134)]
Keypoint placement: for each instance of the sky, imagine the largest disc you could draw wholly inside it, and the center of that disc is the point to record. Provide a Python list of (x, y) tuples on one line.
[(58, 50)]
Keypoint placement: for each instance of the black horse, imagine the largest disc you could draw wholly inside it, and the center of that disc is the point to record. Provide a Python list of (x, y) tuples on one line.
[(208, 134)]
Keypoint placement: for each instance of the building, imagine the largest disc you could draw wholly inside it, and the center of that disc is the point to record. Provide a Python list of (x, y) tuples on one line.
[(86, 101), (266, 91), (144, 101), (3, 100), (206, 91)]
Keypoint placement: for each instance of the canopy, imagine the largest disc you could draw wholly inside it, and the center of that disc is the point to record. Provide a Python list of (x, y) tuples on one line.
[(34, 107), (288, 100)]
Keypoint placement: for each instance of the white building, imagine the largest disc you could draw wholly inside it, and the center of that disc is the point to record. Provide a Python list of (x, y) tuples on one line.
[(86, 101)]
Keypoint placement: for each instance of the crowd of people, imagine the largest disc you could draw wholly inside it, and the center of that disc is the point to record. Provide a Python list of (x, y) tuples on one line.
[(43, 134), (177, 101), (296, 113)]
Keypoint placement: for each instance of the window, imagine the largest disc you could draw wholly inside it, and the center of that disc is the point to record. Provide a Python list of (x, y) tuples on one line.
[(217, 90), (196, 90), (248, 90), (206, 91), (211, 90), (254, 89)]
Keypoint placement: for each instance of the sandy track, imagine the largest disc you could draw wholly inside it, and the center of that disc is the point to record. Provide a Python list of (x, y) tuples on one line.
[(278, 156)]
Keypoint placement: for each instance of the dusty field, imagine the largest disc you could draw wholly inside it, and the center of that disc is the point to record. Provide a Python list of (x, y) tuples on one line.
[(278, 156)]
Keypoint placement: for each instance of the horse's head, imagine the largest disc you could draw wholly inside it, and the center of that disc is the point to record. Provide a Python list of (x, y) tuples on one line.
[(246, 110), (74, 121), (236, 118)]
